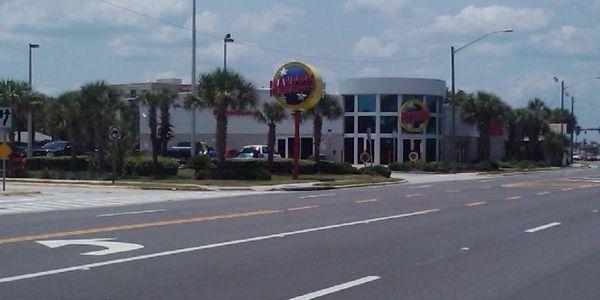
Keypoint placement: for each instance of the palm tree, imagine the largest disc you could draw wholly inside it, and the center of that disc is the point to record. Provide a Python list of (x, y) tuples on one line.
[(328, 108), (69, 105), (271, 114), (532, 125), (221, 90), (152, 100), (13, 93), (538, 106), (165, 130), (480, 109)]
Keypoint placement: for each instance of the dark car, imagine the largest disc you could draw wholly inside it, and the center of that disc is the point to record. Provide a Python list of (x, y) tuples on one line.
[(54, 148), (183, 150)]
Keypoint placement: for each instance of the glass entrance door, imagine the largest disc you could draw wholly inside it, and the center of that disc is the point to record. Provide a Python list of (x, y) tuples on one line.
[(412, 145)]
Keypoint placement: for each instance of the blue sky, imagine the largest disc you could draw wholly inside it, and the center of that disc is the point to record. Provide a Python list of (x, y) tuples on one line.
[(85, 40)]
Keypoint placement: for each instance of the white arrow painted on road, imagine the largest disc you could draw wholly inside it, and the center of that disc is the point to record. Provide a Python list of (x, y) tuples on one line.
[(111, 247)]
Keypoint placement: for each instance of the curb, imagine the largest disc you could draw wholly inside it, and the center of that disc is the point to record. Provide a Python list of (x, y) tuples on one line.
[(19, 193), (335, 187)]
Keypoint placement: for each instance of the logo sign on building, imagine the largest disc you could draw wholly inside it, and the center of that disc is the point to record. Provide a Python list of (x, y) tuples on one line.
[(414, 116), (297, 86), (5, 117)]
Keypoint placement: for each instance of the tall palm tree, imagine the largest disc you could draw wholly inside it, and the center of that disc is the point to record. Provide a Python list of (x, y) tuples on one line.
[(221, 90), (70, 105), (152, 100), (532, 125), (271, 114), (538, 106), (480, 109), (13, 93), (165, 130), (328, 108)]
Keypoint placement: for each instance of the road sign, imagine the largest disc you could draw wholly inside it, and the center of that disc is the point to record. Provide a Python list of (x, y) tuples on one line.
[(5, 151), (114, 132), (111, 247), (5, 117), (413, 156), (365, 157)]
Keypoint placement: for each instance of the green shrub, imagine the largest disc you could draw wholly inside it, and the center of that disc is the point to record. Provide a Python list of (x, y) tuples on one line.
[(143, 166), (331, 167), (441, 167), (80, 163), (404, 166), (249, 174), (484, 166), (377, 170), (200, 162)]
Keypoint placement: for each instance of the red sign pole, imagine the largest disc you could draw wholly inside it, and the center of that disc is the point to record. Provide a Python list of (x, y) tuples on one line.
[(296, 142)]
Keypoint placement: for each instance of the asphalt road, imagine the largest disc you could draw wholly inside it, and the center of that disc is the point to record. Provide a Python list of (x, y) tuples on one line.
[(527, 236)]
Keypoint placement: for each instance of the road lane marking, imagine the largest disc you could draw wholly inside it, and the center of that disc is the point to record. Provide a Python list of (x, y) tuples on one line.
[(302, 207), (567, 189), (108, 243), (543, 193), (532, 230), (86, 267), (336, 288), (514, 198), (452, 191), (316, 196), (421, 187), (366, 201), (486, 181), (135, 226), (414, 195), (131, 213), (475, 203)]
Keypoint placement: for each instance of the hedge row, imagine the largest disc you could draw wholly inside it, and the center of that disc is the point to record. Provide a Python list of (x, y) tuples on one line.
[(282, 167), (64, 163), (443, 167), (143, 166)]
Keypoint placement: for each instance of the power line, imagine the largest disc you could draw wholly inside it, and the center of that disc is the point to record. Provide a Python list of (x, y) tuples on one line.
[(267, 49)]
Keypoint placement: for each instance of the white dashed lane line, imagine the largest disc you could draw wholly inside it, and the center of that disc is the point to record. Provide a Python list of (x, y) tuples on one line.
[(539, 228)]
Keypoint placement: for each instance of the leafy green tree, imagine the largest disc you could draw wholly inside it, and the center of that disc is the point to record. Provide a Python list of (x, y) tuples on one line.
[(328, 108), (271, 114), (480, 109), (221, 90)]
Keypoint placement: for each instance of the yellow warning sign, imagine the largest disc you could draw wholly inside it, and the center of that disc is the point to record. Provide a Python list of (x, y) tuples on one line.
[(5, 151)]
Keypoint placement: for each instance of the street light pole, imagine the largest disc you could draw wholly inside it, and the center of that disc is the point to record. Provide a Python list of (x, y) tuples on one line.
[(193, 85), (227, 39), (562, 104), (453, 51), (30, 137), (572, 129)]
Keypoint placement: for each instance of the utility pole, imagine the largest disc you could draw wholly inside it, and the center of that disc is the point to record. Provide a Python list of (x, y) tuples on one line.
[(572, 129), (562, 104), (453, 139), (30, 137), (193, 86)]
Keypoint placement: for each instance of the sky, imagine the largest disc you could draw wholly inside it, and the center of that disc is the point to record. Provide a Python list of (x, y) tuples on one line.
[(125, 41)]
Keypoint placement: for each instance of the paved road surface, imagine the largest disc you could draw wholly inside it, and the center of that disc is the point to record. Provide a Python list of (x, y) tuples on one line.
[(531, 236)]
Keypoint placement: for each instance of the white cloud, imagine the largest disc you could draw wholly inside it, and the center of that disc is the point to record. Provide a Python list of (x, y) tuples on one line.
[(370, 72), (490, 18), (570, 40), (206, 22), (384, 6), (235, 52), (265, 22), (122, 46), (372, 47)]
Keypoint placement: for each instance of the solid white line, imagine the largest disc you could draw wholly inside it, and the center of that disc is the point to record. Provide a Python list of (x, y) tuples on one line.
[(543, 193), (532, 230), (131, 213), (316, 196), (209, 246), (336, 288)]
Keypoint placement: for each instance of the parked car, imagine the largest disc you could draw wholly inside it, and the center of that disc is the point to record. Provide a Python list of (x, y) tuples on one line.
[(591, 157), (54, 148), (184, 149), (255, 151), (576, 157)]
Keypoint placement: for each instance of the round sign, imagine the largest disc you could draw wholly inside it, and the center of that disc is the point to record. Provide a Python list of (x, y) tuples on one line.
[(114, 132), (414, 116), (297, 86), (365, 157), (413, 156)]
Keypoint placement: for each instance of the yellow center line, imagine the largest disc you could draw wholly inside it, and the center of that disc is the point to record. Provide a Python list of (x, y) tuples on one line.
[(302, 207), (136, 226), (543, 193), (514, 198), (475, 203), (414, 195), (366, 201)]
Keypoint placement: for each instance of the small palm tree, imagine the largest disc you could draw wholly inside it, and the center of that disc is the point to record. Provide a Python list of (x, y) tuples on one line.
[(165, 129), (221, 90), (152, 100), (328, 108), (271, 114), (532, 125), (538, 106), (480, 109)]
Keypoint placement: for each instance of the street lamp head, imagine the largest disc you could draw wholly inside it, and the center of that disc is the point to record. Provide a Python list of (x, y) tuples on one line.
[(509, 30), (228, 38), (34, 46)]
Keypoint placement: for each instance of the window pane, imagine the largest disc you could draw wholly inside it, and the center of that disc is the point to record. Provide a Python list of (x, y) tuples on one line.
[(432, 103), (366, 122), (389, 103), (386, 149), (406, 98), (431, 149), (366, 103), (349, 103), (349, 124), (388, 124), (349, 150), (432, 126)]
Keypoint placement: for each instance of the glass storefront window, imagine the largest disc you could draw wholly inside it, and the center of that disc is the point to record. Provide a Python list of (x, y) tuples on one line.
[(432, 126), (365, 122), (349, 150), (431, 102), (406, 98), (366, 103), (349, 124), (389, 103), (431, 149), (349, 103), (386, 151), (388, 124)]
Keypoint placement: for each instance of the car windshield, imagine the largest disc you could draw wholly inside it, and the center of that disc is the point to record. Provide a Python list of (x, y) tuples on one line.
[(248, 150), (183, 144), (54, 145)]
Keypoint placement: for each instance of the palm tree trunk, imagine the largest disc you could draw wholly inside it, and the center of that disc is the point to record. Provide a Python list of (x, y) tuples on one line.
[(99, 145), (271, 145), (153, 138), (221, 117), (317, 135), (72, 141)]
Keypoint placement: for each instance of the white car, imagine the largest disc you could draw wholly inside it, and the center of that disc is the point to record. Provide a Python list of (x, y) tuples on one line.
[(256, 151)]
